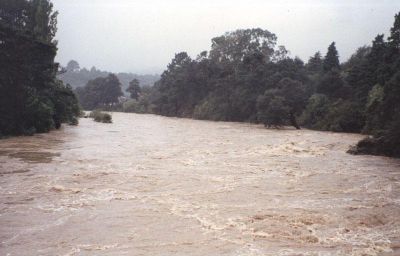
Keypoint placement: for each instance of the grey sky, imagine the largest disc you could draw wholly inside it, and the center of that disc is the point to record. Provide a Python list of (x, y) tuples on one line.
[(142, 36)]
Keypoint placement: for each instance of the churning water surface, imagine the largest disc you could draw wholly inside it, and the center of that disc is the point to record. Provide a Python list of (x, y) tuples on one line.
[(151, 185)]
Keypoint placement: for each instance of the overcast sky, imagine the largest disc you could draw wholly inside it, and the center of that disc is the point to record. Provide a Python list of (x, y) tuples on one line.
[(143, 35)]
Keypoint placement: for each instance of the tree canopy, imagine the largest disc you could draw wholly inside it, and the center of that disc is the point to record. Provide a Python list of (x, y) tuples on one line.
[(247, 77), (331, 60), (134, 89), (100, 92), (31, 98)]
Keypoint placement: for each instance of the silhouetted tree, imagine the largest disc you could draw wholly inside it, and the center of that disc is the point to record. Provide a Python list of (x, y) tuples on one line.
[(31, 98), (73, 66), (330, 84), (281, 105), (101, 92), (394, 38), (315, 63), (331, 60), (134, 89)]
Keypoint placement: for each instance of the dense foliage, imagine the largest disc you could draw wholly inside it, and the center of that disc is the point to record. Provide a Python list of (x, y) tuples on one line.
[(102, 92), (139, 104), (247, 77), (31, 98), (134, 89)]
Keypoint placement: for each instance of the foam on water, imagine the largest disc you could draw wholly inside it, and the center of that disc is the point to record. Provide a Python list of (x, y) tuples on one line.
[(167, 186)]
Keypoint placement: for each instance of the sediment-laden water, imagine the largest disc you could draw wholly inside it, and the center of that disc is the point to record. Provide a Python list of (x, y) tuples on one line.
[(150, 185)]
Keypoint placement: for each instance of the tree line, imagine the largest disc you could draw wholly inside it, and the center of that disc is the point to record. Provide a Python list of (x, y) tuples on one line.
[(31, 98), (77, 76), (247, 77), (244, 77)]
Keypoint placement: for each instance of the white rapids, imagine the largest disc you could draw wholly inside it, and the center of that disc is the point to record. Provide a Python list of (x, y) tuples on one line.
[(151, 185)]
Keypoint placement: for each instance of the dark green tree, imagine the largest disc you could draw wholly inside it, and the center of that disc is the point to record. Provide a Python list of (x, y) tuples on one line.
[(134, 89), (102, 92), (234, 46), (272, 110), (316, 110), (247, 77), (394, 38), (331, 84), (315, 63), (331, 60), (359, 74), (31, 98), (383, 102), (282, 105)]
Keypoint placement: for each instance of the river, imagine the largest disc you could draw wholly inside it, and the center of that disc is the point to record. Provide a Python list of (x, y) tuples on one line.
[(152, 185)]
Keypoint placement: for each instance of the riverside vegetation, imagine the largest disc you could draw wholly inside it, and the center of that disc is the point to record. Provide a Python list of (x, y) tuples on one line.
[(32, 99), (100, 117), (246, 77)]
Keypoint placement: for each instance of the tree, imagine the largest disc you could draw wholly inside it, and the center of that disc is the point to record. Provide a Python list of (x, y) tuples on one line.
[(394, 38), (101, 92), (65, 104), (383, 104), (295, 98), (234, 46), (44, 23), (360, 74), (331, 84), (134, 89), (281, 105), (317, 108), (73, 66), (272, 110), (315, 63), (331, 60), (175, 87), (31, 98)]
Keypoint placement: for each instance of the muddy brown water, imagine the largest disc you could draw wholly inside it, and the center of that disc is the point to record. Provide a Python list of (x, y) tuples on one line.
[(151, 185)]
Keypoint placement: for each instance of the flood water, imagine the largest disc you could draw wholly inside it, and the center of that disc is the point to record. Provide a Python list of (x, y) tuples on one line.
[(151, 185)]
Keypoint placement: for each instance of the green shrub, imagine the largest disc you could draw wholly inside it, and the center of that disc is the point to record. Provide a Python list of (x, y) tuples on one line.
[(339, 116), (212, 108), (74, 121), (135, 106), (107, 118), (344, 116), (317, 107), (41, 118), (101, 117), (272, 111), (383, 142)]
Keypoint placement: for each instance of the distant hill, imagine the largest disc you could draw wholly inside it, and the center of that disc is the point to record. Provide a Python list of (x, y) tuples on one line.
[(77, 77)]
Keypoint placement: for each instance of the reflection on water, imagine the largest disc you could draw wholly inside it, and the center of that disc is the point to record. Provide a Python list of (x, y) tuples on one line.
[(150, 185)]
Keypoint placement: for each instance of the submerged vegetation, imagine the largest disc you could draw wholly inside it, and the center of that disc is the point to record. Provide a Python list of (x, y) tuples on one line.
[(100, 117), (31, 98)]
